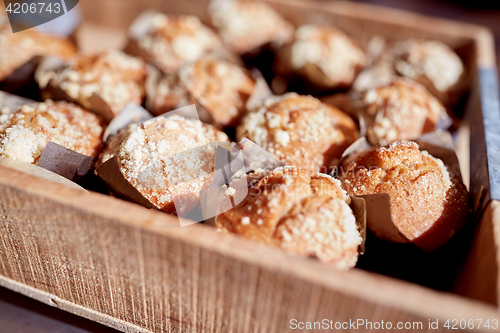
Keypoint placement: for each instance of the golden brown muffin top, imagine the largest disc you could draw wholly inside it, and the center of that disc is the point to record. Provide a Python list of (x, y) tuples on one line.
[(176, 40), (19, 48), (165, 95), (114, 76), (158, 157), (25, 133), (401, 110), (337, 56), (219, 86), (300, 213), (427, 203), (247, 25), (300, 130)]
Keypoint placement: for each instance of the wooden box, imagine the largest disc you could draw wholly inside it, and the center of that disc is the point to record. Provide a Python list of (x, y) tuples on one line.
[(137, 270)]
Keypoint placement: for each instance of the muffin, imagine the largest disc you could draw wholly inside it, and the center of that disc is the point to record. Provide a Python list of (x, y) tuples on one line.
[(172, 41), (25, 133), (166, 159), (300, 130), (431, 63), (19, 48), (118, 79), (324, 56), (401, 110), (248, 25), (428, 202), (304, 214), (220, 87)]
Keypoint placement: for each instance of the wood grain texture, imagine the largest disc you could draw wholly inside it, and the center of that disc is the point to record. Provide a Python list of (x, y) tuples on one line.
[(20, 314), (106, 258)]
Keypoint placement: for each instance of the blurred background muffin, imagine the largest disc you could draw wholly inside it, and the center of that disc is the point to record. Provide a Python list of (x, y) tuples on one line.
[(247, 25), (253, 30), (219, 87), (20, 53), (113, 76), (170, 41), (429, 62), (322, 56)]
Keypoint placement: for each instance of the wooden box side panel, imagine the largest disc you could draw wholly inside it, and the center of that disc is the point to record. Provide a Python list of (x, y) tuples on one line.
[(125, 262), (480, 279), (156, 283)]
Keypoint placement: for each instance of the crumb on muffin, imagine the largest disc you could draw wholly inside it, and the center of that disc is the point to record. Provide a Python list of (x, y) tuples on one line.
[(220, 87)]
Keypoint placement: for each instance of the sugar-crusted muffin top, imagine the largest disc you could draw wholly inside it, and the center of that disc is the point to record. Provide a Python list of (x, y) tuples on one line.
[(337, 56), (25, 133), (247, 25), (220, 87), (401, 110), (300, 130), (114, 76), (176, 40), (165, 158), (428, 204), (17, 49), (299, 212)]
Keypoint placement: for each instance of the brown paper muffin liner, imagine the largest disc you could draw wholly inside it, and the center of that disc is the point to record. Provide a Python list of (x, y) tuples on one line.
[(38, 172)]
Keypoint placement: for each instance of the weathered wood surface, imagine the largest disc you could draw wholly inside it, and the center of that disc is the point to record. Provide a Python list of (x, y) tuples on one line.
[(117, 262)]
